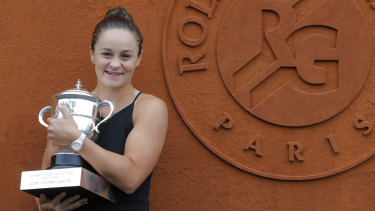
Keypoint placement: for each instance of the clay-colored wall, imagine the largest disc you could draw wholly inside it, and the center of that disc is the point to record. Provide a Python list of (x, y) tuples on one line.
[(44, 48)]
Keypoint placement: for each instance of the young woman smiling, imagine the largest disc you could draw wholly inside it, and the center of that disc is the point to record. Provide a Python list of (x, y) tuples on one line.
[(130, 142)]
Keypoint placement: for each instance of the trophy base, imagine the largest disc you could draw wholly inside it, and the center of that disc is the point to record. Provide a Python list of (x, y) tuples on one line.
[(70, 180), (59, 161)]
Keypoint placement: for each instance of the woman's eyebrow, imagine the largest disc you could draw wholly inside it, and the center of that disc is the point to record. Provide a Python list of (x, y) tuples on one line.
[(127, 51), (106, 49)]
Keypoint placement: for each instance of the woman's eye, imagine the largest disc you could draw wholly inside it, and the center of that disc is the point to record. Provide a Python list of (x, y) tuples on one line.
[(106, 54), (125, 56)]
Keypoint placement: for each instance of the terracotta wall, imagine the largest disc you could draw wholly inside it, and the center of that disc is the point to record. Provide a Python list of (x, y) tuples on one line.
[(44, 48)]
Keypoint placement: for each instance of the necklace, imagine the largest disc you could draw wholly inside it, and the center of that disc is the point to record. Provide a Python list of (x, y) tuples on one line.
[(130, 95), (119, 106), (126, 99)]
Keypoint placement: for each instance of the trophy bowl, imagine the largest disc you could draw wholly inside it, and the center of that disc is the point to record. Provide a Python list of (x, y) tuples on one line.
[(84, 108), (67, 172)]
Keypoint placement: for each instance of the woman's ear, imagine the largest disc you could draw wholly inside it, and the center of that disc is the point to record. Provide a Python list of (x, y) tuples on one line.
[(92, 56), (139, 59)]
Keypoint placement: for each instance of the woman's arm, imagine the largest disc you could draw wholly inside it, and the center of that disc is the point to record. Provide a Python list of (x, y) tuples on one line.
[(142, 149), (50, 150)]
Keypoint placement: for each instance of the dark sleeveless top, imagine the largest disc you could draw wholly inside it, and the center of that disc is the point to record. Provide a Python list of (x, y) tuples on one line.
[(112, 137)]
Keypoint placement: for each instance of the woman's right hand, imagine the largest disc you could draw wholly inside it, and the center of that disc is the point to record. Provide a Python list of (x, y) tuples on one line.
[(56, 204)]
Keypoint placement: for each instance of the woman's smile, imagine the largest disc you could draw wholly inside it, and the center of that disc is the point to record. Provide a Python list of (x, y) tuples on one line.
[(116, 57), (113, 74)]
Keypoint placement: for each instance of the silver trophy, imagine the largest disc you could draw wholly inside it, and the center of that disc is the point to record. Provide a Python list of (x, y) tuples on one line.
[(67, 172), (84, 107)]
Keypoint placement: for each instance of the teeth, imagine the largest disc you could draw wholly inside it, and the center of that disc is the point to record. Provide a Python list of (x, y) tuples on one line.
[(115, 74)]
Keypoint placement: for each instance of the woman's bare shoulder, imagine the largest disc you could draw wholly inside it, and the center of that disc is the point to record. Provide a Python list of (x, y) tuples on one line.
[(149, 103)]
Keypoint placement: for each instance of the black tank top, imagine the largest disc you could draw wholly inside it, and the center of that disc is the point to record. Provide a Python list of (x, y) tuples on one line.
[(112, 137)]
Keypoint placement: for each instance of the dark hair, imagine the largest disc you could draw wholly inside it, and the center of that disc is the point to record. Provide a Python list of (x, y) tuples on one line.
[(117, 18)]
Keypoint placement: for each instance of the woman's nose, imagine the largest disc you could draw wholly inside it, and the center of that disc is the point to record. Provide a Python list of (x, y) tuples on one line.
[(115, 63)]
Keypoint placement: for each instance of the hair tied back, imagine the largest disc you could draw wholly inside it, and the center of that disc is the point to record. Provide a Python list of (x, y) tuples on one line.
[(117, 18), (119, 13)]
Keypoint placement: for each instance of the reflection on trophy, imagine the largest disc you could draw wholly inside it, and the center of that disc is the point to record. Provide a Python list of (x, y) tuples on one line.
[(84, 108), (67, 172)]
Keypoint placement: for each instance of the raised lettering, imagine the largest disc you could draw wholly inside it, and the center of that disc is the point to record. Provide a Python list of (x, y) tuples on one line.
[(293, 2), (256, 145), (295, 150), (225, 121), (333, 144), (193, 60), (360, 124), (372, 3), (188, 40), (205, 10)]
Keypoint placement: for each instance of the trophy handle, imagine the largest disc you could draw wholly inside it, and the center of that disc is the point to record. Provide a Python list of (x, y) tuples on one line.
[(41, 113), (111, 107)]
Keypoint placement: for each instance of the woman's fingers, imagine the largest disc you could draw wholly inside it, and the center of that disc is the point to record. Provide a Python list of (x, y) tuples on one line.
[(43, 199), (76, 204), (65, 113), (55, 201), (69, 200), (70, 203)]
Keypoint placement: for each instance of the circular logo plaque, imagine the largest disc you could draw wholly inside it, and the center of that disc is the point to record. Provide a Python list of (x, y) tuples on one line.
[(275, 88)]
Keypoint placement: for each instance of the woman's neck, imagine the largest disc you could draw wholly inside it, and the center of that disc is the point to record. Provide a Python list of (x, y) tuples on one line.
[(120, 97)]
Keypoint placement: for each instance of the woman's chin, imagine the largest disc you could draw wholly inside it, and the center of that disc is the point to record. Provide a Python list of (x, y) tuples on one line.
[(113, 83)]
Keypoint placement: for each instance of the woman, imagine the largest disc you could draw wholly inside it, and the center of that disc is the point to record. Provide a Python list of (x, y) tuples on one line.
[(130, 142)]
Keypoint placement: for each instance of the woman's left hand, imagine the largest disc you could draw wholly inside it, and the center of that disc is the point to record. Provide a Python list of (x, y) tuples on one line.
[(63, 131)]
